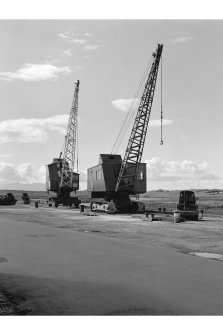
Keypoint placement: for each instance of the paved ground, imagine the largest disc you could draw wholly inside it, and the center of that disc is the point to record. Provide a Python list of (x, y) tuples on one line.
[(54, 271)]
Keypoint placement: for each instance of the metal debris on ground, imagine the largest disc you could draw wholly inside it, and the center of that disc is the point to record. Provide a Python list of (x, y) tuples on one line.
[(6, 307), (209, 255)]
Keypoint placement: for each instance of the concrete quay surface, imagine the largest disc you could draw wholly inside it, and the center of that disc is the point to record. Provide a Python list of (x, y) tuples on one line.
[(66, 272)]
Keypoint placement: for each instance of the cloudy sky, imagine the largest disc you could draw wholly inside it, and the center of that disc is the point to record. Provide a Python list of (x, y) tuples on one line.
[(40, 61)]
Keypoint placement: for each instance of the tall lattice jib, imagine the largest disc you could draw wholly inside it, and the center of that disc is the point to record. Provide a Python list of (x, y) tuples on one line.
[(70, 143), (133, 155)]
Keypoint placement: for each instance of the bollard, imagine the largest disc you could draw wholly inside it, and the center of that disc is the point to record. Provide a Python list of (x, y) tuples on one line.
[(150, 217), (177, 216), (81, 208), (36, 204), (202, 214)]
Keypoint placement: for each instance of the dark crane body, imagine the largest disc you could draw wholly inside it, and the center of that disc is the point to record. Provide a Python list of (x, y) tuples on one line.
[(61, 178)]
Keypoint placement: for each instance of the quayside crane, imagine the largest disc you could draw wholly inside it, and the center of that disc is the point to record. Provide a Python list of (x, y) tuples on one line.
[(60, 176), (114, 180)]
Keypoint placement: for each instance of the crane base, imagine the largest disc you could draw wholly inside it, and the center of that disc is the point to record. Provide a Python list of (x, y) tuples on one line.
[(122, 205), (71, 201)]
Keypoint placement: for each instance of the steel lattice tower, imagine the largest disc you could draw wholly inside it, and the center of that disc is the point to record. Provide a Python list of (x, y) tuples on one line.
[(133, 155), (70, 143)]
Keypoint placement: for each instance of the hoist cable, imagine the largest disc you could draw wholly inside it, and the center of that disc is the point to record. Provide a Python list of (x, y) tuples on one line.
[(77, 146), (131, 112), (134, 105), (161, 117)]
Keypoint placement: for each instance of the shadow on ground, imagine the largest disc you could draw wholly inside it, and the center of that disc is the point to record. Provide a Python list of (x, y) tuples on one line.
[(45, 296)]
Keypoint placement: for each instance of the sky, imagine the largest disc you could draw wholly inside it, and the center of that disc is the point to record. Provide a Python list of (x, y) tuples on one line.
[(41, 60)]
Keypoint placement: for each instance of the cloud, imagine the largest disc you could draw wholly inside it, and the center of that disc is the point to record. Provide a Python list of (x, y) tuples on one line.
[(36, 72), (169, 170), (67, 52), (180, 174), (82, 185), (84, 40), (32, 130), (78, 41), (88, 35), (29, 174), (5, 155), (124, 104), (64, 36), (71, 36), (83, 175), (23, 173), (181, 38), (156, 123), (89, 47)]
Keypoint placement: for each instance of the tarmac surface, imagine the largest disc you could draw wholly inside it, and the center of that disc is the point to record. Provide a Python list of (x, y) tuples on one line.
[(46, 270)]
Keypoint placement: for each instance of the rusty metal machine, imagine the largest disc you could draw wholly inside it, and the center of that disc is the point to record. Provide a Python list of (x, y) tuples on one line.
[(26, 198), (187, 205), (113, 180), (60, 176), (8, 199)]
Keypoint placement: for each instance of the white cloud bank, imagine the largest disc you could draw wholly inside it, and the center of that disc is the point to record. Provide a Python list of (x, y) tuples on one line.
[(91, 47), (32, 130), (36, 72), (71, 36), (181, 37), (67, 52), (124, 105), (85, 40), (170, 175), (27, 173), (180, 174), (23, 173)]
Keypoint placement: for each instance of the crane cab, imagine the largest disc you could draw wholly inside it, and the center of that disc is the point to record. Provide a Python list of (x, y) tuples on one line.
[(102, 178), (53, 176)]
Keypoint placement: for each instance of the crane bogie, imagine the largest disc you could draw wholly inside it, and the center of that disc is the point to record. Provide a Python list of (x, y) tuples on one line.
[(64, 201)]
